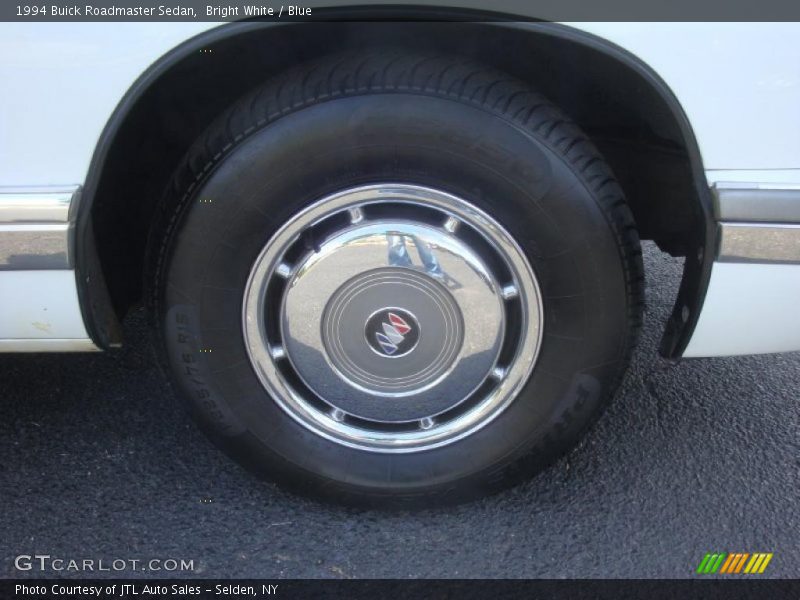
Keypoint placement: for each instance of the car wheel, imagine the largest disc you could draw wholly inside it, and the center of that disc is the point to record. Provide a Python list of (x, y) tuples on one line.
[(388, 278)]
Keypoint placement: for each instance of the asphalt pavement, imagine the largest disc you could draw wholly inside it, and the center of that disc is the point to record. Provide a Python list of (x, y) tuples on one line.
[(99, 461)]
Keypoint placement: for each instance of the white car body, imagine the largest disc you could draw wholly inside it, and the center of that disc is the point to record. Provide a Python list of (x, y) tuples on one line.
[(738, 84)]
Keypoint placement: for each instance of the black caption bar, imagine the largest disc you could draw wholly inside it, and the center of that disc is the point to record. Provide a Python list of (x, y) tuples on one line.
[(369, 589), (36, 11)]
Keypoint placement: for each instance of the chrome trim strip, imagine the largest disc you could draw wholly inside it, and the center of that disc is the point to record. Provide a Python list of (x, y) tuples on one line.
[(34, 246), (36, 227), (757, 202), (35, 204), (759, 242)]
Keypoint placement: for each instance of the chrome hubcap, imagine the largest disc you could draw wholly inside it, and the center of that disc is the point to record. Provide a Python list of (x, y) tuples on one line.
[(392, 318)]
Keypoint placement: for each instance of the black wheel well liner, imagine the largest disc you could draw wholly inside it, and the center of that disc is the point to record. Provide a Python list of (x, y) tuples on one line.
[(625, 107)]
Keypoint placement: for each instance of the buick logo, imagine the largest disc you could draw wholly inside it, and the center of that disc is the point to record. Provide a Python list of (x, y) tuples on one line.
[(392, 332)]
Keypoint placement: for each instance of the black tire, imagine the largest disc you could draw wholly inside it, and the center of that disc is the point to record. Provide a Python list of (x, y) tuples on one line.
[(438, 121)]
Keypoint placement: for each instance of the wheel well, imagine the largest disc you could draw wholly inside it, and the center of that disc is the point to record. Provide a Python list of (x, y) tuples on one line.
[(627, 111)]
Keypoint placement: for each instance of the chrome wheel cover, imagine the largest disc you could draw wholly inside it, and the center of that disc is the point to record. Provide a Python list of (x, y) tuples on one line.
[(392, 318)]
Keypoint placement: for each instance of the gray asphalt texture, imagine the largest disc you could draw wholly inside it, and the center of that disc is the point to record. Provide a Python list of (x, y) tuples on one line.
[(99, 460)]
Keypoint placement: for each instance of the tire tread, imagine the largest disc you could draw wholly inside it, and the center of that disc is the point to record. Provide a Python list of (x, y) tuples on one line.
[(456, 78)]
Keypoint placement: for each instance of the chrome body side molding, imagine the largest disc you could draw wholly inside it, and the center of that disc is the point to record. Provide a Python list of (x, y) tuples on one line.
[(759, 243), (34, 228), (758, 222), (39, 305), (751, 304), (757, 202)]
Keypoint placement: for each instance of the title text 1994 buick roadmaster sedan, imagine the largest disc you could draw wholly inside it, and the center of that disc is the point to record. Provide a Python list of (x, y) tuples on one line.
[(391, 261)]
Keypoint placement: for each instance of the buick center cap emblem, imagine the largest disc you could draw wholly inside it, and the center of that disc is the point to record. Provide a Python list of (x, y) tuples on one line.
[(392, 332)]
